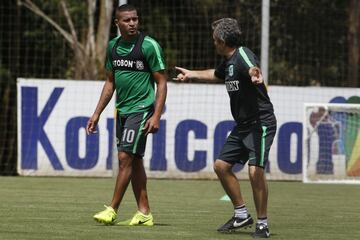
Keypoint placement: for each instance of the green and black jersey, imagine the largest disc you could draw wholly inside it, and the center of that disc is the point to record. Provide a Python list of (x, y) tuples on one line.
[(132, 64), (249, 103)]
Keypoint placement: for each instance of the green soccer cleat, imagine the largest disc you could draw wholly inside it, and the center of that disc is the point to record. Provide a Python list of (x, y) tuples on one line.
[(107, 216), (139, 219)]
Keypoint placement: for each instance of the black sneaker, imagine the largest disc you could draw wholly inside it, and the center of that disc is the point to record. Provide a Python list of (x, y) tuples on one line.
[(236, 223), (261, 231)]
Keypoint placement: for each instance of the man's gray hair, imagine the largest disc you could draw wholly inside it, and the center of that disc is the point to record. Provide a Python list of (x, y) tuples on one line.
[(228, 31)]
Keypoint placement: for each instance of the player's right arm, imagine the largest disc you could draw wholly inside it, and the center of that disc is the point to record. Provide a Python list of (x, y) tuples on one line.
[(201, 75), (105, 97)]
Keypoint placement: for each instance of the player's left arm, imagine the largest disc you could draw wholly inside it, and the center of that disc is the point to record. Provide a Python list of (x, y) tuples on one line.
[(256, 75), (251, 64), (155, 59), (153, 124)]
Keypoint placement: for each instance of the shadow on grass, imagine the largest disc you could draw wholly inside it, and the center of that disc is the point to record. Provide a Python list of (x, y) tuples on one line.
[(116, 225), (243, 233)]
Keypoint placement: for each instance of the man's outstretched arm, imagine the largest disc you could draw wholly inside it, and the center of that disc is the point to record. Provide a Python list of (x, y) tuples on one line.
[(202, 75)]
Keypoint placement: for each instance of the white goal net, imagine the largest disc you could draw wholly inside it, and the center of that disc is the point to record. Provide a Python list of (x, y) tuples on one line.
[(331, 147)]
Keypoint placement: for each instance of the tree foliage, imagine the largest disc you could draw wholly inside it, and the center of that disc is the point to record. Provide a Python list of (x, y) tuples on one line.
[(311, 42), (89, 41)]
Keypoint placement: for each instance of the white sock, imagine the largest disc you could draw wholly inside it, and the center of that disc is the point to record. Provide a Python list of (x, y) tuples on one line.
[(241, 211), (262, 221)]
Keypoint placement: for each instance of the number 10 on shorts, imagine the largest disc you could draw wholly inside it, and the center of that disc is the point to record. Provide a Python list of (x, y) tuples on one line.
[(128, 135)]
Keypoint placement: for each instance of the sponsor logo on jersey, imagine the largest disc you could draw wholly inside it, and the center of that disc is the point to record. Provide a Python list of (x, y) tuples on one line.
[(139, 65), (123, 63), (232, 86)]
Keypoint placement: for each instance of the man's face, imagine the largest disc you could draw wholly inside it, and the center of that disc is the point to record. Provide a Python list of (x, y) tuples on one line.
[(128, 23), (219, 45)]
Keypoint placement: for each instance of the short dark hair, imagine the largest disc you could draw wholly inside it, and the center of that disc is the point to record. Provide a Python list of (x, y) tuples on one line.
[(125, 8), (228, 31)]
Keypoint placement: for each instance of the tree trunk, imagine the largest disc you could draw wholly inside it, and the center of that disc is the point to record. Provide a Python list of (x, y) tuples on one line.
[(103, 28), (89, 54), (8, 140), (354, 43), (85, 66), (89, 64)]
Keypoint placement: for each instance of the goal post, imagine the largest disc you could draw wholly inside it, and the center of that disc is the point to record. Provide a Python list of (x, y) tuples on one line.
[(331, 143)]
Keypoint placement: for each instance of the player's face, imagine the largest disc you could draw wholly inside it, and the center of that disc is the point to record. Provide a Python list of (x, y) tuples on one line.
[(219, 45), (128, 23)]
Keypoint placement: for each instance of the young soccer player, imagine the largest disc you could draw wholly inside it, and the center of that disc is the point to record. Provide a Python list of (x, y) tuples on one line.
[(134, 63)]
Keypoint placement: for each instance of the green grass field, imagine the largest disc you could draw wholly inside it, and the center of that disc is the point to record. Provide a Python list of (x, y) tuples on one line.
[(62, 208)]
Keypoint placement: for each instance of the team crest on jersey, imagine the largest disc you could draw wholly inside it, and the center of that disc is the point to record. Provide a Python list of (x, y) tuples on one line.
[(231, 70), (140, 65)]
